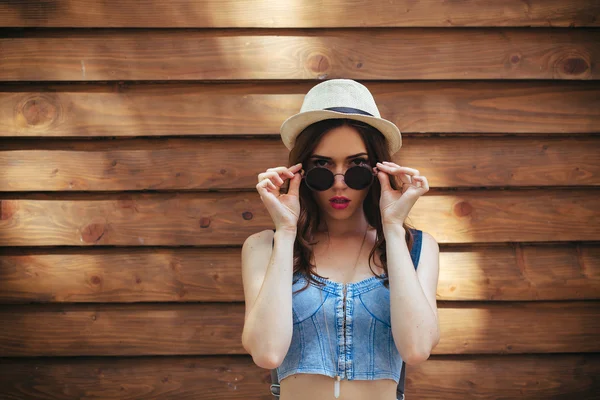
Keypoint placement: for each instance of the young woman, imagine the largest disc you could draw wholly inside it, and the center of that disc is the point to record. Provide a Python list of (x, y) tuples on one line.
[(343, 291)]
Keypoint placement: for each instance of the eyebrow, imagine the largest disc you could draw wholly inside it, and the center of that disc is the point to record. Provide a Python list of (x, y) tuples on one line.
[(347, 158)]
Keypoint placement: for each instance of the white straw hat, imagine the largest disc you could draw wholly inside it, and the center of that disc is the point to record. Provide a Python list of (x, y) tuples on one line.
[(339, 98)]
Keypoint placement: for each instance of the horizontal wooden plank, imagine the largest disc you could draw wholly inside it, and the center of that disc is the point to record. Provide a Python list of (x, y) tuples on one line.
[(216, 328), (523, 272), (258, 109), (507, 377), (520, 272), (200, 164), (229, 218), (306, 14), (539, 376), (382, 54)]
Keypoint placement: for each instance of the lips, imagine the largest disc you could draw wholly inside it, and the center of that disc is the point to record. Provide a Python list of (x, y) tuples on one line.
[(339, 200)]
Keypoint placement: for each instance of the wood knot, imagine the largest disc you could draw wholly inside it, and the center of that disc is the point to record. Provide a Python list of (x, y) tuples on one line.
[(93, 232), (318, 64), (575, 66), (96, 280), (462, 209), (572, 65), (247, 215), (515, 58), (39, 111), (7, 209), (204, 222)]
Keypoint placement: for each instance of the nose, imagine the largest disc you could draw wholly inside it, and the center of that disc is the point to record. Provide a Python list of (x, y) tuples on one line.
[(338, 179)]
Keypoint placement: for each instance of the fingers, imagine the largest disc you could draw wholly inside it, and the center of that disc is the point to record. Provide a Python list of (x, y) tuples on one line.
[(274, 178), (280, 172), (264, 184), (408, 176), (384, 181), (405, 174), (395, 169), (422, 182), (294, 188)]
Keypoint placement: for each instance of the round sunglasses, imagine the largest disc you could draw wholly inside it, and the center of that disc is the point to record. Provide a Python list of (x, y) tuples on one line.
[(357, 177)]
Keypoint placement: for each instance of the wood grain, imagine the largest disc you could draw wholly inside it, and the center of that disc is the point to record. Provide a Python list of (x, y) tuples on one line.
[(216, 329), (505, 377), (226, 377), (305, 14), (206, 219), (381, 54), (260, 108), (499, 273), (209, 164)]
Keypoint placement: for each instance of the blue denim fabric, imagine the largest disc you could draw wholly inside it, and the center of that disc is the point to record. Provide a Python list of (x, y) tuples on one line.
[(365, 350)]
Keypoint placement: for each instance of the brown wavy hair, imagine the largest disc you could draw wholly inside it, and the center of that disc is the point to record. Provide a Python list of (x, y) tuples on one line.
[(309, 218)]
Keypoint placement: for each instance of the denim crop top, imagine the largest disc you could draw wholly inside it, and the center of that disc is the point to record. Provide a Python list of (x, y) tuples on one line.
[(365, 349)]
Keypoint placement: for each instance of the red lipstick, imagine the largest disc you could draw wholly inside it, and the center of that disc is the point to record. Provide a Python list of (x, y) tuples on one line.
[(339, 202)]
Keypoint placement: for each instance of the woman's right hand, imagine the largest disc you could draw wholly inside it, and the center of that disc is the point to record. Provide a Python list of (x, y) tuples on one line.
[(283, 208)]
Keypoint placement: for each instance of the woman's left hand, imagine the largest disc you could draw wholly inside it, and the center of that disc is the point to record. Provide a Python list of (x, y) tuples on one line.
[(396, 204)]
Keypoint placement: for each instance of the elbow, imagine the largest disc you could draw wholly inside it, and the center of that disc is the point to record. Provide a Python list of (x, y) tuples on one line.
[(264, 360), (417, 354), (267, 361), (416, 357)]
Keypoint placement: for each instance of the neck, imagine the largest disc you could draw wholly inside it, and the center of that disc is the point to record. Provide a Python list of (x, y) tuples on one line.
[(352, 226)]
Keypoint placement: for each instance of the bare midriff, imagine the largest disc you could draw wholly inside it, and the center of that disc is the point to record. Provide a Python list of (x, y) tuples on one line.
[(320, 387)]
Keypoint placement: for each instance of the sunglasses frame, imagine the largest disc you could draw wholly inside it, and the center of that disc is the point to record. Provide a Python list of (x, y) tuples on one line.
[(368, 168)]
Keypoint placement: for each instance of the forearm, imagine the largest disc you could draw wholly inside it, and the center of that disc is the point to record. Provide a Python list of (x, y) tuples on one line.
[(268, 328), (414, 324)]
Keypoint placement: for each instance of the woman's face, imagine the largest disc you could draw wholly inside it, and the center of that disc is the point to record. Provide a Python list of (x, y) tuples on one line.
[(338, 150)]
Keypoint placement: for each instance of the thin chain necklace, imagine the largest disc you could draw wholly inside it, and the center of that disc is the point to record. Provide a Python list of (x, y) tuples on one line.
[(336, 383)]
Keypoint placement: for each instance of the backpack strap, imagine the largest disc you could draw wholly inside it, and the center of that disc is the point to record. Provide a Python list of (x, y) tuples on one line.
[(415, 255)]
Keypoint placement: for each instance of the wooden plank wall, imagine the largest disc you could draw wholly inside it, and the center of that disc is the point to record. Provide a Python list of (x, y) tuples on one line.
[(129, 158)]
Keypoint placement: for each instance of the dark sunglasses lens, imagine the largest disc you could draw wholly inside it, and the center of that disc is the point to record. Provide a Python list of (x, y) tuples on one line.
[(358, 177), (319, 179)]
